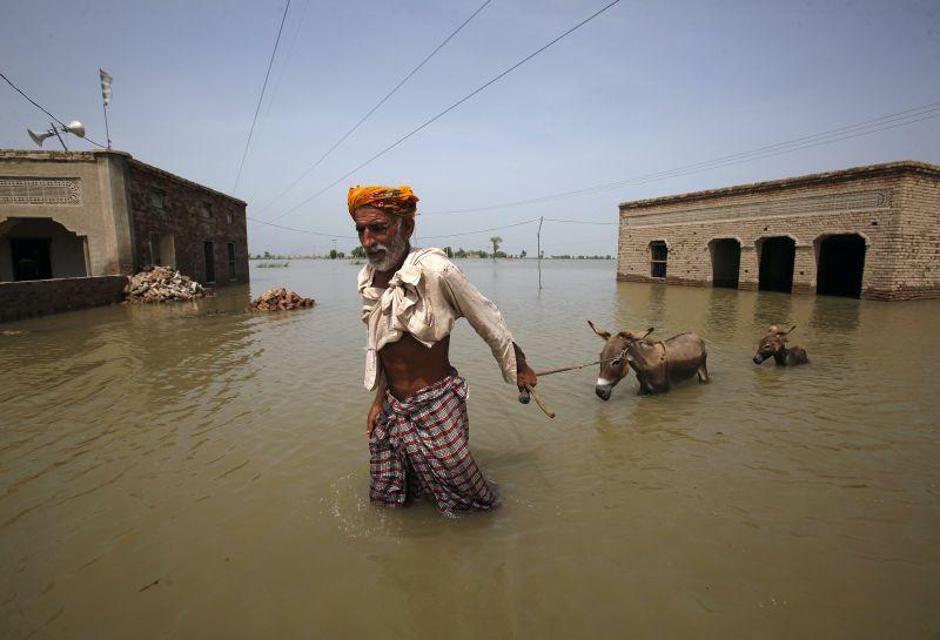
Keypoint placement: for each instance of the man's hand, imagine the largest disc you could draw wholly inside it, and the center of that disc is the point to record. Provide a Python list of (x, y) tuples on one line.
[(374, 412), (525, 376)]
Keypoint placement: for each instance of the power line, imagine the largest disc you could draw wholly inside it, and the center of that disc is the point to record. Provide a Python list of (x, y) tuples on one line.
[(578, 221), (449, 109), (867, 127), (890, 121), (33, 102), (43, 109), (276, 85), (375, 107), (308, 231), (488, 229), (448, 235), (260, 98)]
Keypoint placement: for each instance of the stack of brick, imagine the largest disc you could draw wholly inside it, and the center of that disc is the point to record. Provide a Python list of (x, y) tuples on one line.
[(162, 284), (281, 300)]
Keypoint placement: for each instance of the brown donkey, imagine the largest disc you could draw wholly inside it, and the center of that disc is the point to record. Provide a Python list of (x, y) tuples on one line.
[(774, 345)]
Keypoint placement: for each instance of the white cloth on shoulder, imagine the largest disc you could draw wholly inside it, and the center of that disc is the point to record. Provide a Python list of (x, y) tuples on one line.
[(424, 298)]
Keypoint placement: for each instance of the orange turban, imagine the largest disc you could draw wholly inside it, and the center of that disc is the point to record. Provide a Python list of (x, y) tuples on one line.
[(399, 201)]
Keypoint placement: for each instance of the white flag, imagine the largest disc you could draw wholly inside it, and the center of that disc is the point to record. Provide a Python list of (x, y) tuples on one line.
[(105, 86)]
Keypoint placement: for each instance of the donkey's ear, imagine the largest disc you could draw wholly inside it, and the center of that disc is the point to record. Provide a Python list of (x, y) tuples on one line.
[(604, 335)]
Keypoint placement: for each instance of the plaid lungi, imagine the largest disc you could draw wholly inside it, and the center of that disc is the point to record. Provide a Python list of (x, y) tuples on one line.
[(421, 446)]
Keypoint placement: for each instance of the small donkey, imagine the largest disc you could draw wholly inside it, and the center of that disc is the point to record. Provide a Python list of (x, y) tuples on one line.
[(774, 344)]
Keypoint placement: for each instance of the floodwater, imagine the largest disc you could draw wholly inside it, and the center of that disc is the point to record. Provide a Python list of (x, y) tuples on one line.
[(193, 470)]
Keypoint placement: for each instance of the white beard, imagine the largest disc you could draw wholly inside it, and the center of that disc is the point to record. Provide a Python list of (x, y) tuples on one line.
[(393, 253)]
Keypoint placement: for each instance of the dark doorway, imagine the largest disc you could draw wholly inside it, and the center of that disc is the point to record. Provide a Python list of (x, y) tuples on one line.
[(776, 264), (841, 265), (209, 250), (726, 263), (32, 258)]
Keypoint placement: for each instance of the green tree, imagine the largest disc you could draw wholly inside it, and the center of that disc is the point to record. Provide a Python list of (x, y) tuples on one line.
[(334, 254), (449, 252), (522, 254), (358, 252), (495, 240)]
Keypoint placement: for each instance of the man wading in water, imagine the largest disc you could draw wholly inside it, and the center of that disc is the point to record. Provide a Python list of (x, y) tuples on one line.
[(419, 437)]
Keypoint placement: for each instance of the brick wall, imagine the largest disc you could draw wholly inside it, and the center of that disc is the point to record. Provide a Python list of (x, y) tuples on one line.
[(39, 297), (893, 208), (191, 214), (917, 270)]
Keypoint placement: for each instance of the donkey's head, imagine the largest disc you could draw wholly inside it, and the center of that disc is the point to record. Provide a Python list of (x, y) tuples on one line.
[(772, 343), (613, 365)]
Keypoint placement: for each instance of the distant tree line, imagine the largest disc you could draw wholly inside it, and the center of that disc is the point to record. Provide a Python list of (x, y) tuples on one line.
[(566, 256), (358, 253)]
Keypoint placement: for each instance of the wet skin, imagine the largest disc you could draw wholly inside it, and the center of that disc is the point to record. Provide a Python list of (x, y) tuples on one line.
[(410, 366), (406, 365)]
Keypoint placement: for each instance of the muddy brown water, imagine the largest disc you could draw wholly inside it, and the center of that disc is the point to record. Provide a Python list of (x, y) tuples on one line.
[(195, 471)]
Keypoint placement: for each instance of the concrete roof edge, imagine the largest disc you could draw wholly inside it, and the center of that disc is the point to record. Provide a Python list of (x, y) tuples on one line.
[(92, 155), (172, 176), (58, 156), (841, 175)]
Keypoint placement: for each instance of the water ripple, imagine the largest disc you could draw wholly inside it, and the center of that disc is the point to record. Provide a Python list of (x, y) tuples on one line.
[(143, 442)]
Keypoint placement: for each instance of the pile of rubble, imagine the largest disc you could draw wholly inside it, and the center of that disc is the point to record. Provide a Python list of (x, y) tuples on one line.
[(162, 284), (280, 300)]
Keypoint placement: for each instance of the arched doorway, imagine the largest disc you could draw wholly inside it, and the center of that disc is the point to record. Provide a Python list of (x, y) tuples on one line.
[(726, 262), (777, 256), (39, 249), (841, 264)]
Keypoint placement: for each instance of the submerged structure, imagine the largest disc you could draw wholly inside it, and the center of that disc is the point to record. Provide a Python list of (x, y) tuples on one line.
[(74, 224), (869, 232)]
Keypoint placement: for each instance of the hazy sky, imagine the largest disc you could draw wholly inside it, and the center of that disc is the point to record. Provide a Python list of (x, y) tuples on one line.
[(646, 87)]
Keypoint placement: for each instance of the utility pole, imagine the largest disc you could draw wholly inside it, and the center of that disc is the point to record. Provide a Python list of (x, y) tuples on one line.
[(61, 141), (538, 240), (106, 80)]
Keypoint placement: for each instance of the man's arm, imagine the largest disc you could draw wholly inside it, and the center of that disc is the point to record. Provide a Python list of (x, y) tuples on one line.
[(377, 403), (488, 322)]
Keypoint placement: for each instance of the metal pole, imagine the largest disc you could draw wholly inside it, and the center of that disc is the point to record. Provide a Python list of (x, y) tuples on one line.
[(538, 239), (107, 130), (61, 141)]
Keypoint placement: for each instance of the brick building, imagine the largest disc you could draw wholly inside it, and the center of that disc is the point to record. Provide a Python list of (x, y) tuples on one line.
[(870, 232), (100, 214)]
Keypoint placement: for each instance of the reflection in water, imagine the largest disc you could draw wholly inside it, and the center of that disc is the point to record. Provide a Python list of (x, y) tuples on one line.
[(774, 308), (184, 459), (835, 313), (722, 312), (640, 306), (655, 307)]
